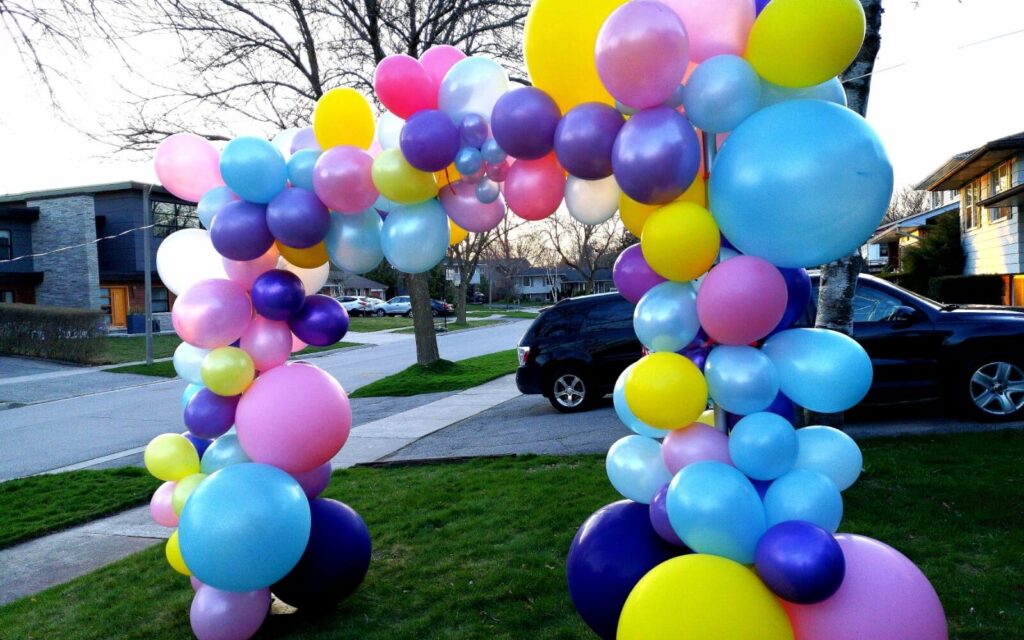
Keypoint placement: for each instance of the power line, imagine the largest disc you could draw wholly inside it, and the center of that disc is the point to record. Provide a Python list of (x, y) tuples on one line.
[(76, 246)]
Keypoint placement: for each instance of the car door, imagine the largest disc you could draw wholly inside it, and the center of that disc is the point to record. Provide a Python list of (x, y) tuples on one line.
[(609, 339)]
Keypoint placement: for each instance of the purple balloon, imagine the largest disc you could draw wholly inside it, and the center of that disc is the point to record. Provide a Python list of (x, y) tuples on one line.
[(208, 415), (780, 406), (474, 130), (798, 286), (460, 202), (800, 562), (524, 122), (760, 5), (321, 322), (239, 231), (585, 137), (429, 141), (632, 276), (278, 294), (313, 482), (656, 156), (659, 519), (305, 139), (698, 354), (228, 615), (297, 218), (201, 444)]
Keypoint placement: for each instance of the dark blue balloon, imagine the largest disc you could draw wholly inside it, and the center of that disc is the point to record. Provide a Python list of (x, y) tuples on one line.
[(239, 231), (429, 140), (585, 137), (321, 322), (760, 5), (800, 562), (278, 294), (656, 156), (780, 406), (297, 218), (201, 444), (335, 561), (523, 123), (798, 287), (760, 485), (208, 415), (612, 550)]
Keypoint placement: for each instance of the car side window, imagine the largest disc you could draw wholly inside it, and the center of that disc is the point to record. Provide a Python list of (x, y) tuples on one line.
[(873, 305), (614, 315), (559, 324)]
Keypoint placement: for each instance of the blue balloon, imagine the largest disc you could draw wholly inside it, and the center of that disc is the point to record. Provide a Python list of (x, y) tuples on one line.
[(806, 495), (353, 241), (800, 183), (636, 469), (760, 5), (384, 206), (254, 169), (300, 168), (468, 161), (665, 319), (487, 191), (201, 444), (781, 406), (245, 527), (211, 202), (335, 560), (613, 549), (626, 415), (763, 446), (822, 370), (415, 237), (715, 509), (831, 452), (741, 380), (798, 290), (223, 452), (800, 562), (190, 391), (473, 130), (722, 92), (829, 91), (492, 152)]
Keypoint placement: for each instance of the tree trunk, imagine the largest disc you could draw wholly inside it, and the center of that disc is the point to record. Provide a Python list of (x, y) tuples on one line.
[(423, 319), (460, 300)]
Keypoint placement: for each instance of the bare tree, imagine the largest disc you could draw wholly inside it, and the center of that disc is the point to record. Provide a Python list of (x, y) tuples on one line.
[(514, 249), (464, 258), (905, 202), (585, 248)]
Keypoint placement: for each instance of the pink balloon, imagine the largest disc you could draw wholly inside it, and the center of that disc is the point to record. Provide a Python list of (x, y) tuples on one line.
[(297, 345), (188, 166), (715, 28), (403, 86), (437, 60), (632, 276), (195, 582), (314, 482), (498, 172), (465, 209), (343, 181), (245, 272), (213, 313), (534, 188), (228, 615), (883, 597), (694, 443), (268, 343), (741, 300), (295, 417), (160, 506), (642, 53)]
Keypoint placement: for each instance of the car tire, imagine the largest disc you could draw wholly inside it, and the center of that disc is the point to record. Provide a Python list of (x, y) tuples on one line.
[(380, 313), (433, 313), (990, 388), (408, 314), (569, 391)]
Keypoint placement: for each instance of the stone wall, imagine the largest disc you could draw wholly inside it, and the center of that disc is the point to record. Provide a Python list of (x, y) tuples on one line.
[(71, 278)]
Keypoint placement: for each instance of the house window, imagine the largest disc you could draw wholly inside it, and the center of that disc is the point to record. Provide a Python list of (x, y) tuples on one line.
[(169, 217), (883, 251), (936, 199), (6, 248), (972, 211), (161, 303), (1000, 180), (6, 295)]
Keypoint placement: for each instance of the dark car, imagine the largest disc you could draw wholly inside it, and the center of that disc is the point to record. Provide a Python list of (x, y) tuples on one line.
[(971, 355), (439, 308)]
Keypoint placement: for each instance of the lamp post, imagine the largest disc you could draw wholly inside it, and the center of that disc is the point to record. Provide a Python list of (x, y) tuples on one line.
[(147, 252)]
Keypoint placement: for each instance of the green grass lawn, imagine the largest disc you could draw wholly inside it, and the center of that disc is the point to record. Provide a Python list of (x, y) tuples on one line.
[(368, 324), (441, 376), (477, 550), (133, 348)]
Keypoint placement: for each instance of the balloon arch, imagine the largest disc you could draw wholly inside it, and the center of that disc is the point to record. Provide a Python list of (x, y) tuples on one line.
[(719, 133)]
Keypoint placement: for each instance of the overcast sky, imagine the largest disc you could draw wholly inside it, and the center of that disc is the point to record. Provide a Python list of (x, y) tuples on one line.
[(947, 80)]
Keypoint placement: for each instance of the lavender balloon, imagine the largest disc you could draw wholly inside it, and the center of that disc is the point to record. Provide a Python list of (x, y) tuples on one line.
[(656, 156), (429, 140), (305, 139), (632, 276), (240, 231), (463, 206), (321, 322), (228, 615), (473, 130), (524, 122), (584, 140), (278, 294), (315, 481), (297, 218), (659, 519), (208, 415)]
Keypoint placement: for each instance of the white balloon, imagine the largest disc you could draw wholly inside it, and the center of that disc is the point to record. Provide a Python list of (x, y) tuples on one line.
[(186, 257), (283, 141), (312, 279), (592, 201), (389, 128), (472, 85), (188, 362)]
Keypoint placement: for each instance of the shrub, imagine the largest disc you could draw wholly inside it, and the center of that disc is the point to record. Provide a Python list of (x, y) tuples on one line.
[(56, 333), (912, 281), (983, 289)]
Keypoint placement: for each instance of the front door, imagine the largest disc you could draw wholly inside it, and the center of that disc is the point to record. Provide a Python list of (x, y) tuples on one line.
[(115, 304)]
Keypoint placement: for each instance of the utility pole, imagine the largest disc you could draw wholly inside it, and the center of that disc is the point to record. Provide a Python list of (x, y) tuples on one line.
[(147, 252)]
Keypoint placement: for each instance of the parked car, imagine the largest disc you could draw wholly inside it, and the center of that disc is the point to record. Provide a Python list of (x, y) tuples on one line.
[(397, 306), (440, 308), (371, 306), (353, 305)]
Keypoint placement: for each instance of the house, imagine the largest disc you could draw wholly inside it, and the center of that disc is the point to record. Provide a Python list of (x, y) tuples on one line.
[(342, 283), (884, 251), (557, 282)]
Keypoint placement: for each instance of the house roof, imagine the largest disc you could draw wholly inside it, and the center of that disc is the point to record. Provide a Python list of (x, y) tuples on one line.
[(892, 231), (83, 190), (353, 281), (965, 167), (567, 274)]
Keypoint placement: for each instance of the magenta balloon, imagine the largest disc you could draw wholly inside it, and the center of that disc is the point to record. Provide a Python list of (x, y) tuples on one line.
[(715, 28), (314, 482), (268, 342), (642, 51), (437, 60), (160, 506), (883, 597), (188, 166), (403, 86), (741, 300), (462, 206), (632, 276), (343, 181), (245, 272), (213, 313), (534, 188), (694, 443), (228, 615), (497, 172), (295, 417)]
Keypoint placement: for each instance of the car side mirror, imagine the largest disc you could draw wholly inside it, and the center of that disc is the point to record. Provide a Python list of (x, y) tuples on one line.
[(904, 315)]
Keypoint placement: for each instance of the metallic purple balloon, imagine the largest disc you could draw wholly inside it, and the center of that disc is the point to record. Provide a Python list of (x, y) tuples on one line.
[(321, 322), (208, 415), (585, 137), (800, 562), (524, 122), (240, 232), (659, 519), (632, 276), (429, 141), (474, 130), (656, 156), (314, 482), (228, 615), (460, 202), (305, 139), (278, 294), (297, 218), (201, 444)]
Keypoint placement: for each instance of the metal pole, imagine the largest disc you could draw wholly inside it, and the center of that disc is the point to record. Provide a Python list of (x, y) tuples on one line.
[(147, 252)]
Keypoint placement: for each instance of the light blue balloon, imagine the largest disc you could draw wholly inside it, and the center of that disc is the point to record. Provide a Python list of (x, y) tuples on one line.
[(715, 509), (300, 168), (353, 241), (191, 390), (415, 237), (763, 446), (636, 469), (741, 380), (468, 161), (487, 191), (211, 202), (384, 205), (245, 527), (665, 319), (829, 91), (722, 92), (254, 169), (822, 370), (224, 452), (492, 152), (626, 415), (801, 183), (472, 86), (806, 495), (831, 452)]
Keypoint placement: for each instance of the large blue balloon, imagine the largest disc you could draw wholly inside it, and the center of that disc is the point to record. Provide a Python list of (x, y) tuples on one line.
[(335, 561), (254, 169), (806, 495), (722, 92), (715, 509), (665, 319), (800, 183), (223, 452), (656, 156), (415, 237), (613, 549), (822, 370), (741, 380), (800, 562), (763, 446), (626, 415), (636, 469), (353, 241), (300, 168), (829, 91), (244, 527)]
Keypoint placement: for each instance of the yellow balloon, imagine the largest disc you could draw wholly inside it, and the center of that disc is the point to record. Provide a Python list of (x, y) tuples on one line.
[(697, 193), (666, 390), (559, 45), (634, 214), (171, 457), (308, 258), (680, 241), (800, 43), (702, 596), (456, 234), (398, 180), (343, 117), (447, 176), (227, 371), (708, 418), (183, 489), (172, 551)]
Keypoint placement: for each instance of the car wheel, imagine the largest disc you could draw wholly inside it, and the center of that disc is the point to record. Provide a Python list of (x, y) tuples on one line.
[(992, 388), (408, 314), (568, 391), (433, 312), (380, 313)]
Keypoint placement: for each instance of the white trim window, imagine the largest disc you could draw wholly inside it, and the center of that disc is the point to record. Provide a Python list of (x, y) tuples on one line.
[(1000, 180)]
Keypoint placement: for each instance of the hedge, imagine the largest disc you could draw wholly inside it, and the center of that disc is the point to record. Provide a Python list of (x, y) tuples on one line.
[(55, 333), (983, 289), (910, 281)]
